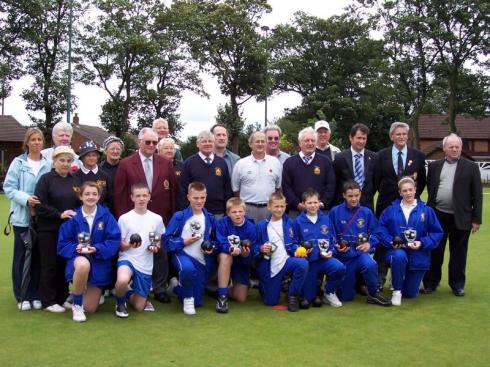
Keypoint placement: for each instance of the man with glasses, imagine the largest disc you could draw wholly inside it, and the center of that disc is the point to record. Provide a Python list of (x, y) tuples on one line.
[(273, 137), (148, 167)]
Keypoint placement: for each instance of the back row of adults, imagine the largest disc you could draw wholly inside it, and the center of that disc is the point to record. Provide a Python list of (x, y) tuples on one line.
[(46, 181)]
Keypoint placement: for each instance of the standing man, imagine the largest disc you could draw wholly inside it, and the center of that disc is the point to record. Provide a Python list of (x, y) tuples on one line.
[(323, 134), (455, 193), (160, 126), (356, 164), (256, 177), (307, 170), (62, 133), (212, 171), (220, 143), (273, 136), (390, 165), (148, 167)]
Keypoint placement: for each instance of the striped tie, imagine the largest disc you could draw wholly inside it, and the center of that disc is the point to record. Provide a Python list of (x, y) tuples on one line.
[(307, 159), (358, 173)]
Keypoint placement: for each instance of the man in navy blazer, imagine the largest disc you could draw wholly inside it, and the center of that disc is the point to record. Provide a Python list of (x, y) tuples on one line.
[(345, 164)]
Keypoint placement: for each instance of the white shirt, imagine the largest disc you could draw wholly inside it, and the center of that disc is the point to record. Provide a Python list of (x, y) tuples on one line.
[(86, 170), (210, 157), (407, 209), (194, 250), (312, 218), (276, 237), (35, 165), (256, 179), (89, 217), (302, 155), (354, 159), (143, 224)]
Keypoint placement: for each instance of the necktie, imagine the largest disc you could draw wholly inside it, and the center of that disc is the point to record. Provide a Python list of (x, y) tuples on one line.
[(358, 171), (208, 160), (148, 173), (400, 164), (307, 159)]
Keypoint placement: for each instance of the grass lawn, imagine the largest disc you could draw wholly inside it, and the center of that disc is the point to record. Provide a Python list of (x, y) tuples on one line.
[(432, 330)]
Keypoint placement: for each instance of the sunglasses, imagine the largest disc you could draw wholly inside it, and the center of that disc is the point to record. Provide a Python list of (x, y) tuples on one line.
[(275, 138), (151, 142)]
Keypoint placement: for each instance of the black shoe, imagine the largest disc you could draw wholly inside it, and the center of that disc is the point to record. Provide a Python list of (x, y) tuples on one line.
[(317, 302), (458, 292), (378, 299), (121, 310), (222, 304), (304, 304), (293, 304), (362, 290), (427, 290), (162, 297)]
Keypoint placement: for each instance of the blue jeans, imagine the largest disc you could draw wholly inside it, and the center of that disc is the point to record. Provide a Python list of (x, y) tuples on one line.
[(18, 267)]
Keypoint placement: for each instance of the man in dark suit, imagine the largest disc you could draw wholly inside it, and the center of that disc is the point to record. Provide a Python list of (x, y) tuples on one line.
[(455, 193), (390, 165), (158, 173), (356, 163)]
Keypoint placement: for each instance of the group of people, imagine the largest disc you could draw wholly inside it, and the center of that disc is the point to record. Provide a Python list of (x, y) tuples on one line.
[(304, 224)]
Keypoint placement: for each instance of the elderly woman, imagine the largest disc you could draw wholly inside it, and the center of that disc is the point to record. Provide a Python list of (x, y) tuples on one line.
[(166, 149), (22, 176), (57, 192), (410, 230), (61, 134), (113, 148)]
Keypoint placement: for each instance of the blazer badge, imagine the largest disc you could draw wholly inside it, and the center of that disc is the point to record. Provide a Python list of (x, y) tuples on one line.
[(316, 170), (100, 226), (101, 183), (291, 232), (422, 217), (324, 229), (76, 189), (360, 223), (217, 171), (166, 185), (178, 173)]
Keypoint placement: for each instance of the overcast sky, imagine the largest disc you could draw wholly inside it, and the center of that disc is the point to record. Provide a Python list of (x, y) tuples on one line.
[(196, 112)]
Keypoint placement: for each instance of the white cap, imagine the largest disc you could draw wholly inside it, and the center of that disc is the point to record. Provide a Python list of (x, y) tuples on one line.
[(320, 124)]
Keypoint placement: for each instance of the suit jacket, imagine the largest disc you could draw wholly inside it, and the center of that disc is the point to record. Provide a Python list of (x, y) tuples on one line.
[(163, 191), (344, 171), (467, 191), (386, 179)]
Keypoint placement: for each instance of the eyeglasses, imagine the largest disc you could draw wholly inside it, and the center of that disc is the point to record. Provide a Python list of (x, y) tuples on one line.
[(275, 138), (151, 142)]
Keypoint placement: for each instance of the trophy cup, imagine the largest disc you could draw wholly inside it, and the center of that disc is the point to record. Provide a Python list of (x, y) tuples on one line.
[(362, 238), (274, 248), (234, 242), (410, 235), (154, 239), (323, 245), (84, 241), (196, 229)]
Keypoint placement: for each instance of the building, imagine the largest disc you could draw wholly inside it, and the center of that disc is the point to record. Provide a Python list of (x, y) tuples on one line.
[(11, 137)]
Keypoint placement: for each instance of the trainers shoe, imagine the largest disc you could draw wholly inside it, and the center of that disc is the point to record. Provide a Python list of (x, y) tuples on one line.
[(149, 307), (304, 304), (396, 298), (317, 302), (78, 314), (378, 299), (121, 310), (332, 300), (189, 306), (293, 304), (37, 305), (24, 306), (172, 283), (56, 308), (222, 304), (69, 302), (101, 299)]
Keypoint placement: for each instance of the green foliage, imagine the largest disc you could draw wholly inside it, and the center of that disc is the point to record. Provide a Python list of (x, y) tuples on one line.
[(189, 147)]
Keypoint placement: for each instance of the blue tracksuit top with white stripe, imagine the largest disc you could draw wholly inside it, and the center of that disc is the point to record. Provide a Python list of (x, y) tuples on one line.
[(290, 239), (365, 222), (105, 237), (225, 227), (308, 231), (423, 219)]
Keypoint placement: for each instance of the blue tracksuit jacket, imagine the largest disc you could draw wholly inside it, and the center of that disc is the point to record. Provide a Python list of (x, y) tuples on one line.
[(225, 228)]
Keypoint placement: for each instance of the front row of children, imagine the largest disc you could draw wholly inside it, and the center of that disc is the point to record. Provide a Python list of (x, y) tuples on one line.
[(299, 253)]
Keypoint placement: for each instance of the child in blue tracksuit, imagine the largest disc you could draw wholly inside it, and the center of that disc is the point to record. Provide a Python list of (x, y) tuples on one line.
[(356, 228), (314, 226), (410, 230), (190, 236), (275, 248), (89, 263), (236, 235)]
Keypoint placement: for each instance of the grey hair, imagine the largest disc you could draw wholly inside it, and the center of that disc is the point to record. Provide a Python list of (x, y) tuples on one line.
[(306, 130), (251, 137), (205, 134), (158, 120), (272, 128), (398, 124), (452, 135), (143, 131), (164, 141), (62, 126)]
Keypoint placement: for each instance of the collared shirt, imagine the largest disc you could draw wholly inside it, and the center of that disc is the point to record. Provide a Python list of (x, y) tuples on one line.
[(86, 170), (203, 157), (302, 155), (394, 156), (89, 217), (144, 158), (407, 209), (354, 159), (256, 179), (282, 156), (228, 160)]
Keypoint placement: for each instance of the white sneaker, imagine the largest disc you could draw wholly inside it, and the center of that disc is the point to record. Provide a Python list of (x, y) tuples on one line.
[(396, 298), (56, 308), (332, 300), (69, 302), (24, 306), (78, 314), (149, 307), (189, 306), (101, 299), (172, 283), (36, 304)]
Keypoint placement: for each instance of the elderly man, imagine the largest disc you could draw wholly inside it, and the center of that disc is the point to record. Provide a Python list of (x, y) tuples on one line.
[(211, 170), (62, 133), (307, 170), (158, 173), (356, 163), (273, 136), (455, 193), (220, 143), (160, 126), (256, 177), (323, 134)]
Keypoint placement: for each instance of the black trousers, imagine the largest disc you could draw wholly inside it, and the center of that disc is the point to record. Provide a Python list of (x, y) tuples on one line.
[(160, 271), (458, 250), (53, 287)]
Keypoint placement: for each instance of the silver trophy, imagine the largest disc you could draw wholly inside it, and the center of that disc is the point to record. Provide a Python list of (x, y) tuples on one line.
[(273, 248), (84, 239), (410, 235), (323, 245), (153, 237), (362, 238), (234, 242), (196, 229)]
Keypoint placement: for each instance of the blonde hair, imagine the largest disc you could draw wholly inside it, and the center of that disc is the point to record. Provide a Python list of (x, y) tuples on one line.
[(164, 141), (31, 131), (235, 201), (276, 196), (404, 180)]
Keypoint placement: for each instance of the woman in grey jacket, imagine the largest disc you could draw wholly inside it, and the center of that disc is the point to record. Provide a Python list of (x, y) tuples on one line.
[(19, 185)]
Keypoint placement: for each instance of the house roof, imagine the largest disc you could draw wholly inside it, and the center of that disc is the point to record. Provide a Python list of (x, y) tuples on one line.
[(94, 133), (11, 129), (436, 127)]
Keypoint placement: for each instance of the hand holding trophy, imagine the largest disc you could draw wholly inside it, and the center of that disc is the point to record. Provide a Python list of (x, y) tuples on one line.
[(83, 243), (410, 235), (154, 239)]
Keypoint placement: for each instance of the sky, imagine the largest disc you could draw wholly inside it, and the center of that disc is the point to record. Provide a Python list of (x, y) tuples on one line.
[(197, 113)]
